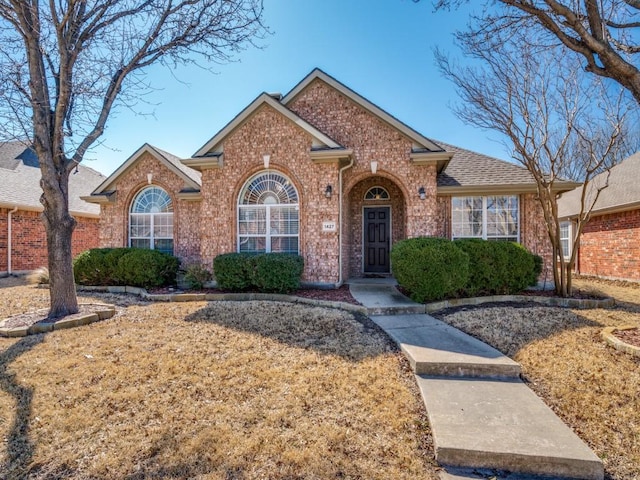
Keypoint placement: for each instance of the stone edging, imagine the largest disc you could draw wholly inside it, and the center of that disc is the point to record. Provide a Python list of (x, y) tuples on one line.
[(107, 312), (580, 303), (615, 342), (230, 297)]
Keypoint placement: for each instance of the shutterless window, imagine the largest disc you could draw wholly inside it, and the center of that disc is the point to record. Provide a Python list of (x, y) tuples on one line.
[(268, 215), (489, 218), (151, 220), (565, 238)]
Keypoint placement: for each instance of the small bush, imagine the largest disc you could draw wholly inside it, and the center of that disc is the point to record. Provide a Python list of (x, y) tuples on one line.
[(196, 275), (40, 276), (429, 268), (145, 268), (125, 266), (277, 272), (538, 264), (233, 271)]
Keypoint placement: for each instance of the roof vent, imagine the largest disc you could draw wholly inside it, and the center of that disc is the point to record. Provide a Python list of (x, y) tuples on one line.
[(276, 95)]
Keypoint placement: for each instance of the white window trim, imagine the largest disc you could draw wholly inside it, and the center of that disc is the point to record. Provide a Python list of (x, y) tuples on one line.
[(484, 217), (267, 235), (152, 238), (570, 239)]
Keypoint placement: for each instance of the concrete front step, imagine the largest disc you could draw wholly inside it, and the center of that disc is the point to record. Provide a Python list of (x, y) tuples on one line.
[(435, 348), (487, 474), (384, 300), (503, 425)]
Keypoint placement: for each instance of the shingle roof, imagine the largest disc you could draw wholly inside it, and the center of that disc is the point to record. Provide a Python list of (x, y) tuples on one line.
[(194, 175), (623, 190), (20, 180), (468, 168)]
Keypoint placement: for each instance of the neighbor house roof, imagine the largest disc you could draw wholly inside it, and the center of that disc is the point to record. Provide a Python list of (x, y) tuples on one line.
[(473, 173), (103, 192), (20, 181), (622, 190)]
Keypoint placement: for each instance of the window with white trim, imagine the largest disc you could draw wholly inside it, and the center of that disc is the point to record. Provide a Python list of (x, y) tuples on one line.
[(377, 193), (489, 218), (565, 239), (268, 215), (151, 220)]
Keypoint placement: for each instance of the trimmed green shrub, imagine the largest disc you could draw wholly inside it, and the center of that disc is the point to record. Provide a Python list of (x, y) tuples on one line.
[(429, 268), (521, 266), (140, 267), (277, 272), (233, 271), (97, 266), (538, 263), (196, 275), (125, 266)]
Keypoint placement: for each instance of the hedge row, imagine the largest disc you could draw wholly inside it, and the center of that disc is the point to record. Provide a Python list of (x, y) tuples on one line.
[(137, 267), (267, 272), (435, 268)]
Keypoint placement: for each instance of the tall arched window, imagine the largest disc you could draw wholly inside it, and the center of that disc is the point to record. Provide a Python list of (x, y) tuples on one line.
[(151, 220), (268, 215)]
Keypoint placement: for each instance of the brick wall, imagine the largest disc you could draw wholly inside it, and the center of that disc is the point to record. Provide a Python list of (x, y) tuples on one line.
[(610, 246), (114, 218), (29, 243)]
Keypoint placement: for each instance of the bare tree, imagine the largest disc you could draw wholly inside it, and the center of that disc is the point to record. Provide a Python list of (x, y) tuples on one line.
[(65, 65), (604, 33), (558, 122)]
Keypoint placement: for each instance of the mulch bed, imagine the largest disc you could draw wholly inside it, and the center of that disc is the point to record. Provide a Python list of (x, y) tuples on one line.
[(41, 316), (632, 337)]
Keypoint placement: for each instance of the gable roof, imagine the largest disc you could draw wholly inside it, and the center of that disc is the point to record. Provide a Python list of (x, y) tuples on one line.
[(421, 143), (621, 193), (211, 148), (475, 173), (20, 181), (191, 177)]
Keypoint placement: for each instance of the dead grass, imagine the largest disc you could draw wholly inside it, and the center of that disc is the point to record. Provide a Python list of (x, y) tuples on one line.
[(198, 390), (594, 388)]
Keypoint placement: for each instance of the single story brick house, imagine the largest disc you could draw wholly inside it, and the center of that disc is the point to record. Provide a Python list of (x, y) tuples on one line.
[(23, 243), (322, 172), (610, 242)]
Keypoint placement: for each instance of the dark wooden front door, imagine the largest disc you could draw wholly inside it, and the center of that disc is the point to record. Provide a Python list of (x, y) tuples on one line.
[(376, 239)]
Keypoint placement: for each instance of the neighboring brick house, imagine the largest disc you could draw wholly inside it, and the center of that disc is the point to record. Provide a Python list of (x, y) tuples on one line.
[(23, 243), (610, 242), (321, 172)]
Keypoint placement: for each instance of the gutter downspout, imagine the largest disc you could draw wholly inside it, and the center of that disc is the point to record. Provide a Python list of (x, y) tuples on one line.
[(9, 243), (340, 279)]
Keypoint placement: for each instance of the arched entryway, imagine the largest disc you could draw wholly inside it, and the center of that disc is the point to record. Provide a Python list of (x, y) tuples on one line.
[(376, 220)]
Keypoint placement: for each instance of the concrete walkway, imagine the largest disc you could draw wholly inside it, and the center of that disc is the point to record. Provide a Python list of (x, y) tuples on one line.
[(482, 415)]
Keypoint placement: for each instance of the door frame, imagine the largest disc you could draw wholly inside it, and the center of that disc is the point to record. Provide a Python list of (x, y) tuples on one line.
[(362, 242)]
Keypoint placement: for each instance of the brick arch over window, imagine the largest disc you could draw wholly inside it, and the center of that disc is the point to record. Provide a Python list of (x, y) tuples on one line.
[(268, 214), (151, 220)]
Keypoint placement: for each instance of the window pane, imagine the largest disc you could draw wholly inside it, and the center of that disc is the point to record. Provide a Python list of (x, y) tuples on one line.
[(284, 244), (284, 221), (140, 226), (502, 217), (252, 220), (253, 244), (466, 217), (164, 245), (564, 238), (163, 226), (140, 243)]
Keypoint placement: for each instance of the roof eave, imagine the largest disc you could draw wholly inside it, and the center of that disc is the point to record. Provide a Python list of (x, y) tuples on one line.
[(204, 163), (623, 207), (439, 159), (330, 155), (108, 198)]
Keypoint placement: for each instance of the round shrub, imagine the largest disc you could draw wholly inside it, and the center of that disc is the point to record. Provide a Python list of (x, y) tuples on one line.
[(429, 268), (140, 267), (97, 266), (277, 272), (233, 271)]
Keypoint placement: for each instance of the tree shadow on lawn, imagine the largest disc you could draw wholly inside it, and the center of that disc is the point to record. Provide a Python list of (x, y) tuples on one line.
[(328, 331), (19, 446)]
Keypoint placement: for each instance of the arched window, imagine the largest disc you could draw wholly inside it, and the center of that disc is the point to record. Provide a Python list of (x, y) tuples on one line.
[(151, 220), (376, 193), (268, 215)]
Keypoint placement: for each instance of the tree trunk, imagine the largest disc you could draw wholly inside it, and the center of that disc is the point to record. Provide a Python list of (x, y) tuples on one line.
[(59, 225)]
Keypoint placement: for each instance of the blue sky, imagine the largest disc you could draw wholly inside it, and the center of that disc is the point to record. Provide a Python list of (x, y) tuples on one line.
[(381, 49)]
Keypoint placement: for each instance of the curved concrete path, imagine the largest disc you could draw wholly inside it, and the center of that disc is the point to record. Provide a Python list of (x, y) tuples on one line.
[(482, 415)]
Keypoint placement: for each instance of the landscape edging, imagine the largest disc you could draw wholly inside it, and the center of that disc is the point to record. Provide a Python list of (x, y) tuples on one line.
[(615, 342), (580, 303)]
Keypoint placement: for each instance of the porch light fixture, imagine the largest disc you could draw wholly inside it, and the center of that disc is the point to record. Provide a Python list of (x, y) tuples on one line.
[(422, 193), (266, 159), (149, 178), (374, 167), (328, 191)]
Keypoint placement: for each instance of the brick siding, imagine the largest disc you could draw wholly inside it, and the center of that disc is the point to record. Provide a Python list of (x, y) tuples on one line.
[(610, 246), (29, 242)]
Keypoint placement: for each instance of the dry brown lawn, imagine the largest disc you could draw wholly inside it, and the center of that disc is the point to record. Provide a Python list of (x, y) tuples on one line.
[(592, 387), (208, 390)]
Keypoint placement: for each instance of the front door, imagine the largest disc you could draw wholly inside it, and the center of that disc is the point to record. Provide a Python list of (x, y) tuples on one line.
[(376, 239)]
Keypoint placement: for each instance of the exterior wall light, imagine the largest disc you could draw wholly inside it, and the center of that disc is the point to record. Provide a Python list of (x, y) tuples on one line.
[(328, 191), (266, 159), (374, 167), (422, 193)]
